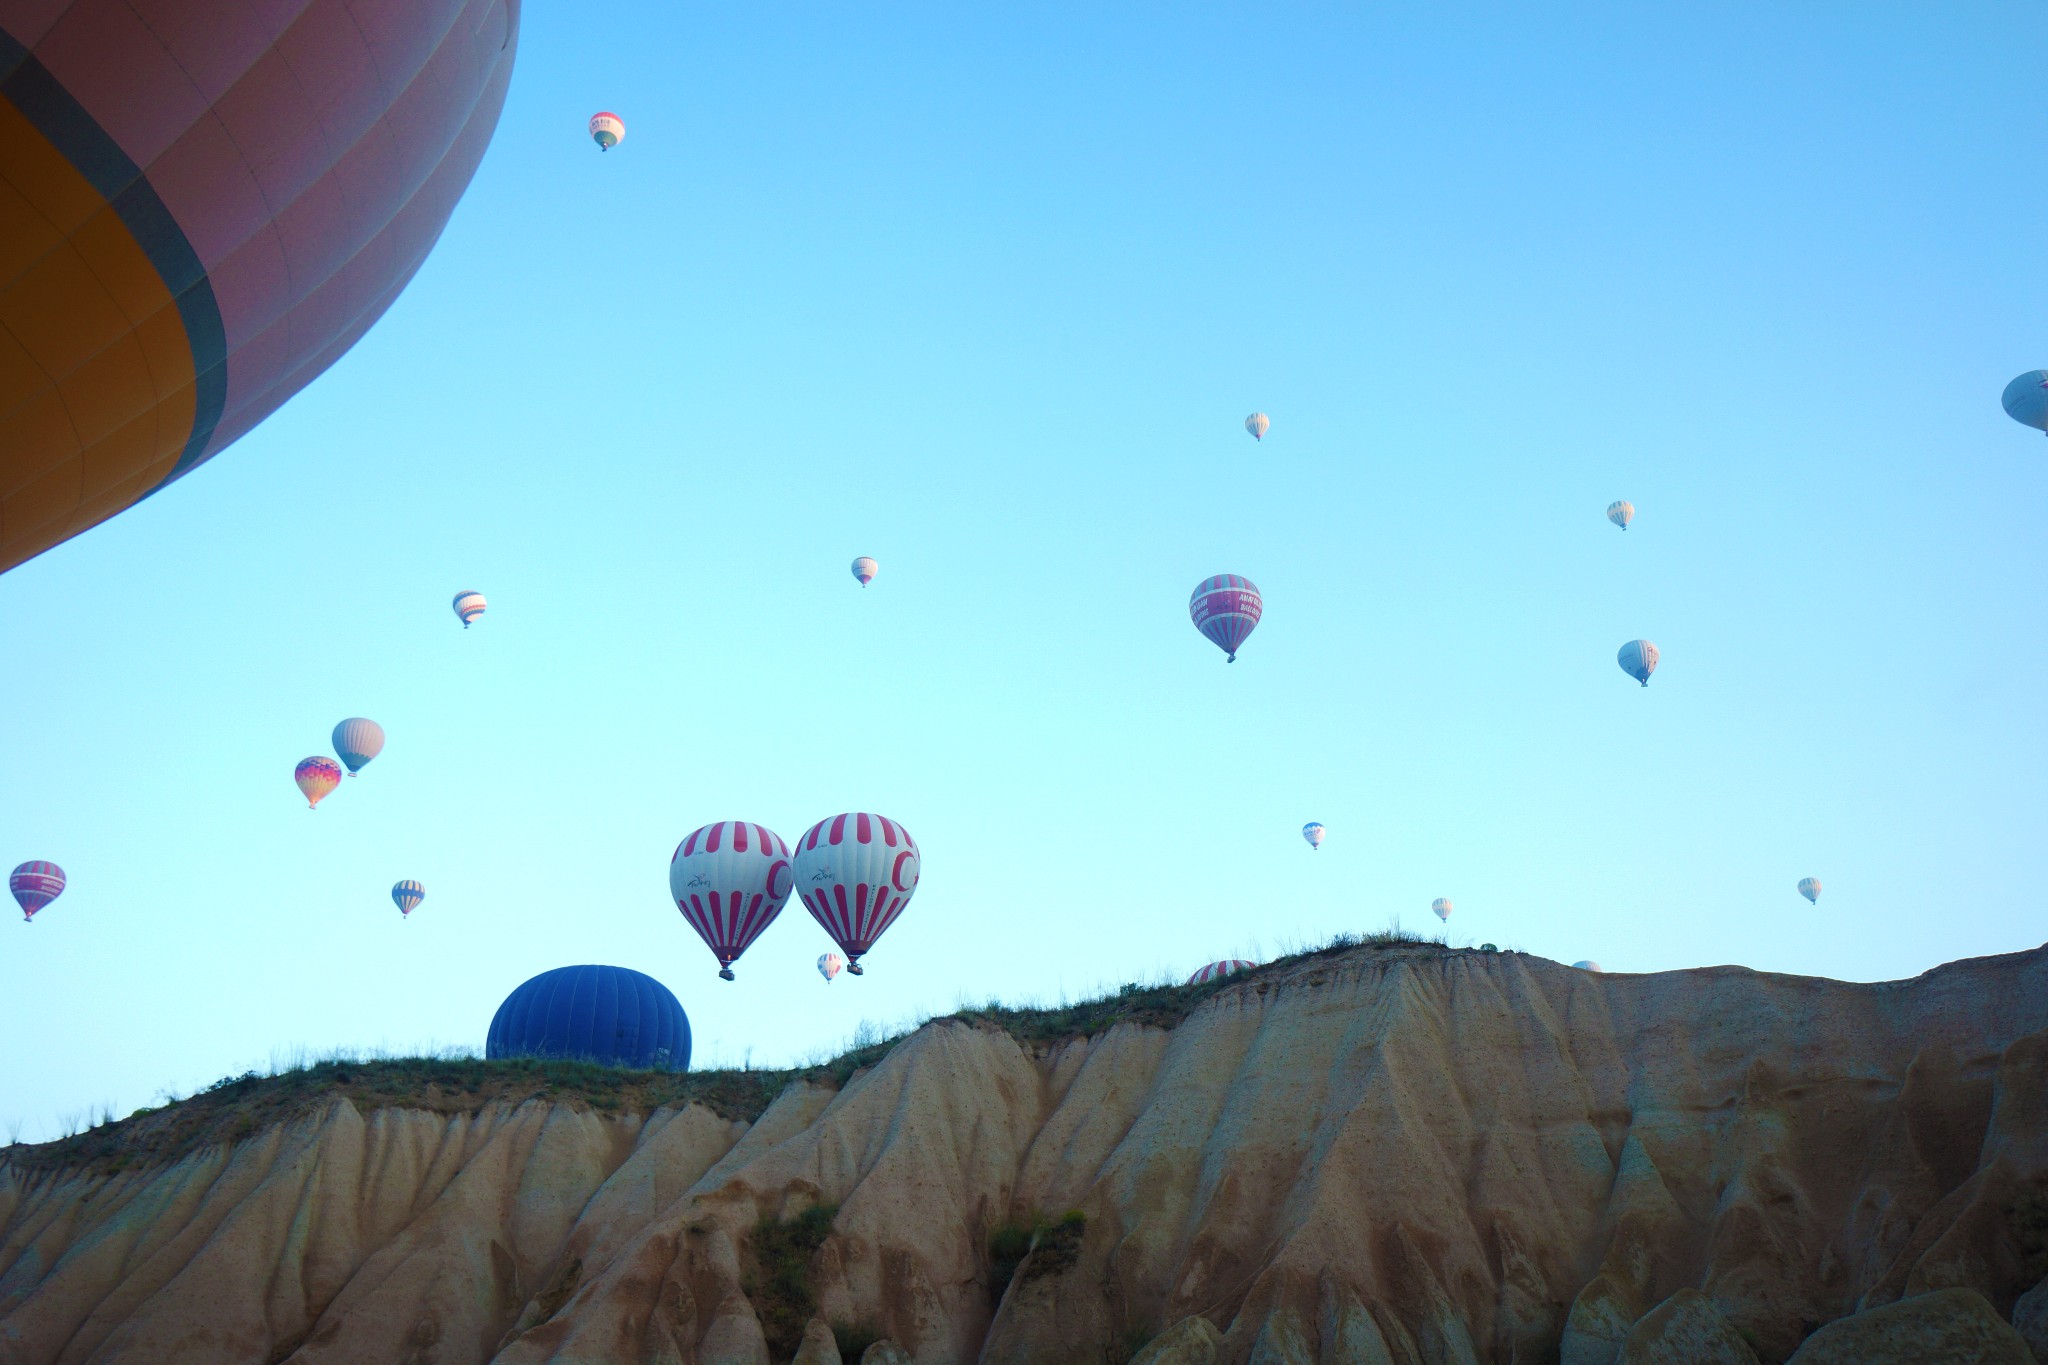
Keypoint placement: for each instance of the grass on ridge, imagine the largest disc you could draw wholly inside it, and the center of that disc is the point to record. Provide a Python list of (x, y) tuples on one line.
[(458, 1082)]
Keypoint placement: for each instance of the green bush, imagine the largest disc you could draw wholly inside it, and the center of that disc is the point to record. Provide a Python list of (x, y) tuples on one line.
[(781, 1283), (1008, 1245), (1039, 1248)]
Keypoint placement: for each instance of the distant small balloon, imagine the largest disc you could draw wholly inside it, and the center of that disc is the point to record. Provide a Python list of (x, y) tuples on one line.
[(1809, 887), (34, 886), (1226, 609), (1587, 964), (2026, 399), (1443, 907), (865, 570), (831, 965), (1215, 971), (1313, 832), (1258, 424), (317, 776), (1638, 659), (407, 895), (357, 741), (608, 131), (1621, 513), (469, 604)]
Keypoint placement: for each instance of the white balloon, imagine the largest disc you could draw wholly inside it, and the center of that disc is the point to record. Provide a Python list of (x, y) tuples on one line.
[(1258, 424), (1809, 887), (1587, 964), (1621, 513), (1443, 907), (831, 965), (1313, 832)]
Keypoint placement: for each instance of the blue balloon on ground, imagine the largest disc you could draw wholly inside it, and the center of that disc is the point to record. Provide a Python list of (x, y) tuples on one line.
[(611, 1015)]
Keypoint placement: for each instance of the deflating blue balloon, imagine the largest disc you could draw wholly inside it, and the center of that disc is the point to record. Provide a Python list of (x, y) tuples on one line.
[(611, 1015)]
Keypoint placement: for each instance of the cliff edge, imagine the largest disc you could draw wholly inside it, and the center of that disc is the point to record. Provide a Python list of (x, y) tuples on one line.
[(1406, 1155)]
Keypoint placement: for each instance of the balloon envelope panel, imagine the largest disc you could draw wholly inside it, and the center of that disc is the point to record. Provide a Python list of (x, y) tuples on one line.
[(215, 202), (611, 1015)]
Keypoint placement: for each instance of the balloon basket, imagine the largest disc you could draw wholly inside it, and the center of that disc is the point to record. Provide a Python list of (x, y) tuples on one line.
[(725, 973), (855, 969)]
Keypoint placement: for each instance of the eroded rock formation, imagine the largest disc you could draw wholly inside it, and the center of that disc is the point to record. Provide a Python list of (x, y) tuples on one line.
[(1407, 1156)]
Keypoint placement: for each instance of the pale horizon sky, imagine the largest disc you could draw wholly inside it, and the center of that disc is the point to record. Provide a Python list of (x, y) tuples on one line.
[(988, 296)]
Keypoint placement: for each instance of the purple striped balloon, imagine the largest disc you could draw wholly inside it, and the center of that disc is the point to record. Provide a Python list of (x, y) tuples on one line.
[(35, 885), (1226, 608)]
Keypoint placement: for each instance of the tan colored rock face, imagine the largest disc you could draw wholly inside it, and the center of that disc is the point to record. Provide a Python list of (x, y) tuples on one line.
[(1191, 1341), (1410, 1156), (1956, 1326), (1685, 1329)]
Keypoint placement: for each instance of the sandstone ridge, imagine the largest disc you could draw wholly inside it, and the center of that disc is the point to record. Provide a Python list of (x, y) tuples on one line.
[(1410, 1156)]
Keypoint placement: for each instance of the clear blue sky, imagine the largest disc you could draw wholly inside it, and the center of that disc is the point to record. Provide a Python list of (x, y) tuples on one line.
[(988, 296)]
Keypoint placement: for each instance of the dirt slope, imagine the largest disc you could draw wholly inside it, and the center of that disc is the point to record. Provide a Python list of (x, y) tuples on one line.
[(1411, 1156)]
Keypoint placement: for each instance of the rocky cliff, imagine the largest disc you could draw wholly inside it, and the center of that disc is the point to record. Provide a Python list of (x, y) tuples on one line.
[(1408, 1155)]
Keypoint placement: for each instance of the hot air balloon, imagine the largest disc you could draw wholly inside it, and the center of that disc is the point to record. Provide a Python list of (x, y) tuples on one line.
[(1217, 970), (357, 741), (730, 879), (207, 206), (1258, 424), (407, 895), (608, 131), (1809, 887), (1638, 659), (614, 1016), (1313, 832), (2026, 399), (1587, 964), (1621, 513), (855, 873), (316, 777), (1226, 608), (865, 570), (34, 886), (830, 965), (469, 604), (1443, 907)]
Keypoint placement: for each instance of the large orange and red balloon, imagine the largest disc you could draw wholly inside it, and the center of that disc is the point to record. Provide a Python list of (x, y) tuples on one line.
[(202, 206)]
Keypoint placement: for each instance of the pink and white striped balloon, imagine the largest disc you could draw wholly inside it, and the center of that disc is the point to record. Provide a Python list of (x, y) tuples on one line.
[(1226, 608), (855, 873), (1216, 971), (730, 880)]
